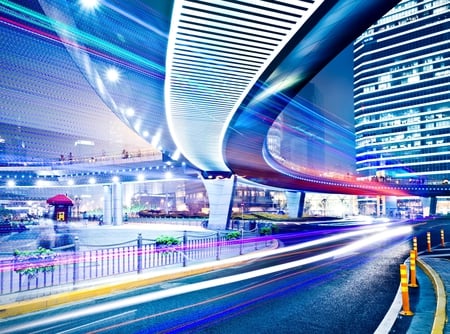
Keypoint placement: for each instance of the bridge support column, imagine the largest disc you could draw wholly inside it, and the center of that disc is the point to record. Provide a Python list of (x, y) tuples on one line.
[(381, 206), (112, 204), (391, 206), (295, 203), (117, 207), (107, 204), (433, 205), (220, 196), (429, 205)]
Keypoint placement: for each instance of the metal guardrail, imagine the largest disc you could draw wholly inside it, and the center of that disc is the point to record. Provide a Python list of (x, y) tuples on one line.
[(70, 265)]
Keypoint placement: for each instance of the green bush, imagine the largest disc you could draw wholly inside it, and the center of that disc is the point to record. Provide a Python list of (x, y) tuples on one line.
[(266, 230), (233, 235), (165, 240), (30, 263)]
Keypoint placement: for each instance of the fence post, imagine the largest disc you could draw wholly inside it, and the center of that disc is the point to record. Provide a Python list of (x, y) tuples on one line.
[(241, 246), (184, 248), (139, 253), (217, 246), (76, 254), (256, 237)]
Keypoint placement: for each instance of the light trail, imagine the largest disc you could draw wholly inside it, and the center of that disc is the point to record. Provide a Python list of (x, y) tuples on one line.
[(72, 37), (378, 233), (103, 255)]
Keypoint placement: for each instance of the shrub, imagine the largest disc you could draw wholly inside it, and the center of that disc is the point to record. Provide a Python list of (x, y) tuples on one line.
[(165, 240), (30, 263), (233, 235), (266, 230)]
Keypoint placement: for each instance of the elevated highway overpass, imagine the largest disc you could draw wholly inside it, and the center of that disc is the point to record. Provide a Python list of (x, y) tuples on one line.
[(203, 81)]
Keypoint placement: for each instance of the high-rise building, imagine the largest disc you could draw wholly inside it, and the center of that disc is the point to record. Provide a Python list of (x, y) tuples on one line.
[(402, 94)]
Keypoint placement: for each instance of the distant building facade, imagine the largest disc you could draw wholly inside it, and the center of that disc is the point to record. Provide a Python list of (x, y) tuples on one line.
[(402, 99)]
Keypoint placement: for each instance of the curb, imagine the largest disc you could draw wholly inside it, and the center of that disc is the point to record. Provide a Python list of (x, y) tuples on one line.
[(440, 315)]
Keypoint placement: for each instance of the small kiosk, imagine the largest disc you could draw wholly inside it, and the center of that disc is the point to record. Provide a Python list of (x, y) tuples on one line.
[(62, 207)]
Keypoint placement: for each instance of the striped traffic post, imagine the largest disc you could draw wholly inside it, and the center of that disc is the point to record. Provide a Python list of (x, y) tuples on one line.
[(404, 288), (412, 269), (415, 245), (429, 242), (442, 238)]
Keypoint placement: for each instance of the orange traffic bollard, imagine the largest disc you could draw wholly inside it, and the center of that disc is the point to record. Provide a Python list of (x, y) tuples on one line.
[(442, 238), (415, 245), (429, 242), (412, 269), (404, 287)]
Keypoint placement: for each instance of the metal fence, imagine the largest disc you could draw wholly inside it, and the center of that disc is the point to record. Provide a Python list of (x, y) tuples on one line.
[(70, 265)]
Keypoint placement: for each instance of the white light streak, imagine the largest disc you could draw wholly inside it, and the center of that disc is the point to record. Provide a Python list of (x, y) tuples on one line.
[(379, 233)]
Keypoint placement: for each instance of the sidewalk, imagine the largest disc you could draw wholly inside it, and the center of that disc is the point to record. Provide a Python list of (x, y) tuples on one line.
[(436, 266)]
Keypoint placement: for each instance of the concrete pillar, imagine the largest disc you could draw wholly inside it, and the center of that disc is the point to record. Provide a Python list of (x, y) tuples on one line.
[(429, 205), (433, 205), (295, 203), (117, 205), (381, 206), (426, 201), (391, 206), (107, 205), (220, 195)]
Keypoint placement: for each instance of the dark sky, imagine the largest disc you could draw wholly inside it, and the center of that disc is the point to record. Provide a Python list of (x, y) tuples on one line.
[(335, 86)]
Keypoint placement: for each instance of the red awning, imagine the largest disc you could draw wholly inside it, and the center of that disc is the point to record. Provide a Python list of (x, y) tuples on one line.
[(60, 199)]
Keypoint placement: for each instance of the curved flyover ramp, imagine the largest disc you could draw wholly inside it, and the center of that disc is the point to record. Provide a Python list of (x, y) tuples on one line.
[(246, 149)]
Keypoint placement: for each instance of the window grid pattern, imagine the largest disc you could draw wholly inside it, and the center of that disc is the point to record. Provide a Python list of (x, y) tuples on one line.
[(402, 93)]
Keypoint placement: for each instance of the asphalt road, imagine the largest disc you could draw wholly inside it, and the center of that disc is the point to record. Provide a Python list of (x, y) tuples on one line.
[(308, 290)]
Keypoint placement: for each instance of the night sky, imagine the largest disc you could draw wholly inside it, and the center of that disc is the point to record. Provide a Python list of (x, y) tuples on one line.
[(335, 86)]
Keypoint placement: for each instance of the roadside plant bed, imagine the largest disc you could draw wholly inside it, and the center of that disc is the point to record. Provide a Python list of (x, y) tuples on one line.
[(165, 243), (268, 230), (31, 263), (233, 235)]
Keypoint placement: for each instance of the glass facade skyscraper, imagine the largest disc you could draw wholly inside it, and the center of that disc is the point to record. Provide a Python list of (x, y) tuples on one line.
[(402, 94)]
